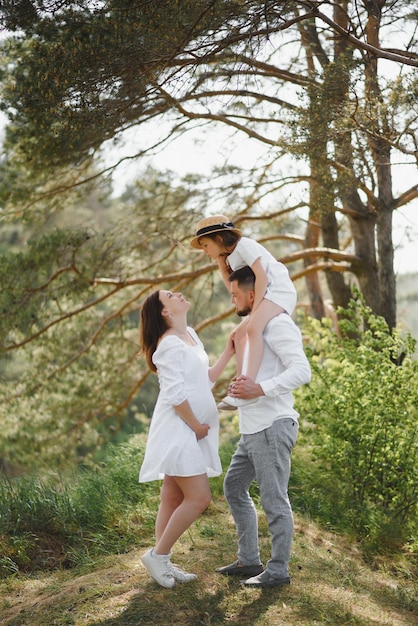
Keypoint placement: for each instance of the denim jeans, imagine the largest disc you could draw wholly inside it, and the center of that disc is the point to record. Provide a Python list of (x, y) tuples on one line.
[(264, 457)]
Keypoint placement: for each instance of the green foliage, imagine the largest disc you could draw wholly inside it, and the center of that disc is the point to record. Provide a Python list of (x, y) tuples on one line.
[(82, 76), (68, 520), (70, 372), (63, 522), (84, 73), (25, 277), (360, 414)]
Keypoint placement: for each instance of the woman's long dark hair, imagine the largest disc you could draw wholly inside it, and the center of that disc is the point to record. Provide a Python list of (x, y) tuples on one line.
[(153, 326)]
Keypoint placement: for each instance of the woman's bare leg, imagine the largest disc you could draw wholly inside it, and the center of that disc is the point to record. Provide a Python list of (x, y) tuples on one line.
[(196, 499), (171, 497)]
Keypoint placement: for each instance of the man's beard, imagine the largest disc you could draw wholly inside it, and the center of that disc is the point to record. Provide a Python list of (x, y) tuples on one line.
[(244, 312)]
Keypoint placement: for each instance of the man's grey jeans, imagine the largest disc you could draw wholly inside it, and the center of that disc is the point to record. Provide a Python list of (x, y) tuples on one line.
[(264, 457)]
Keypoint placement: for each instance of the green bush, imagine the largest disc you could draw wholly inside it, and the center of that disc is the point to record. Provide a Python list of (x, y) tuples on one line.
[(360, 416), (61, 523), (70, 521)]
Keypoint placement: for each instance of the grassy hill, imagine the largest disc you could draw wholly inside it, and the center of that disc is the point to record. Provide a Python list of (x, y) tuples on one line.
[(331, 584)]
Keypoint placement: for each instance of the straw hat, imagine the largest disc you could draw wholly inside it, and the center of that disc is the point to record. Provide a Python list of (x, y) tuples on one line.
[(210, 225)]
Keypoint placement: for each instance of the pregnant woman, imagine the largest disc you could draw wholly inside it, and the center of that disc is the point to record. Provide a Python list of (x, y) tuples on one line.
[(182, 444)]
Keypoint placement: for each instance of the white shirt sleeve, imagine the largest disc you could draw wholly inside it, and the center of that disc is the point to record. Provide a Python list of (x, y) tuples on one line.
[(169, 359), (246, 252), (285, 341)]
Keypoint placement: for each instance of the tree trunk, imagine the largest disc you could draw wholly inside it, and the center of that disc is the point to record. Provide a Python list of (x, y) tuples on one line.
[(363, 231), (381, 151), (340, 291), (313, 286)]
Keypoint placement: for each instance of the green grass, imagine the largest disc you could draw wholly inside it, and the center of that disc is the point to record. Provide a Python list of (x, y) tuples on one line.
[(331, 584), (70, 554)]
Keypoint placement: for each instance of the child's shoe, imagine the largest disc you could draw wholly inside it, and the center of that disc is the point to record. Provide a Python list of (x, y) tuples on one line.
[(229, 403)]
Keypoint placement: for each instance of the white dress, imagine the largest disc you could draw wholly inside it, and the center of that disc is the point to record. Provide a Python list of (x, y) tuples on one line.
[(280, 288), (172, 447)]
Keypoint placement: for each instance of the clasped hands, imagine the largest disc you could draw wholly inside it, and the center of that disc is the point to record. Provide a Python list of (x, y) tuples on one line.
[(244, 387)]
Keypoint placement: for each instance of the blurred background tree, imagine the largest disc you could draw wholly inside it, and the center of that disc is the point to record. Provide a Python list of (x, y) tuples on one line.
[(327, 107)]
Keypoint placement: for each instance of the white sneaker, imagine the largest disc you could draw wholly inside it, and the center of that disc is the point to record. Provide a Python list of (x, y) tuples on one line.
[(180, 575), (229, 403), (159, 567)]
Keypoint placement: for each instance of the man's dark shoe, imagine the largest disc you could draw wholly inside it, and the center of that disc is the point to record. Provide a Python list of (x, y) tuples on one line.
[(265, 580), (235, 569)]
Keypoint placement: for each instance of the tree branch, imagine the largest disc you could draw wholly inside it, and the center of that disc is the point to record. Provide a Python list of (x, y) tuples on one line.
[(403, 58)]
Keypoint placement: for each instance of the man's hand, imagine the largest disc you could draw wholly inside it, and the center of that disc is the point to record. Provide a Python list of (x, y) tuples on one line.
[(244, 387)]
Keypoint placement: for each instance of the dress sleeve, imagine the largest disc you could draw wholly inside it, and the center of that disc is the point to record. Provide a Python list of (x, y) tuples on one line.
[(246, 252), (169, 359)]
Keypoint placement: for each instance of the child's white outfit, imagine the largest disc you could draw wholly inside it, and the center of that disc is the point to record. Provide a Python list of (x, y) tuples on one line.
[(280, 288)]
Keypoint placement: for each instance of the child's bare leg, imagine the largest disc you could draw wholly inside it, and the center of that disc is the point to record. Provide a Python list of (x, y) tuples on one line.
[(240, 339), (252, 344), (257, 322)]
